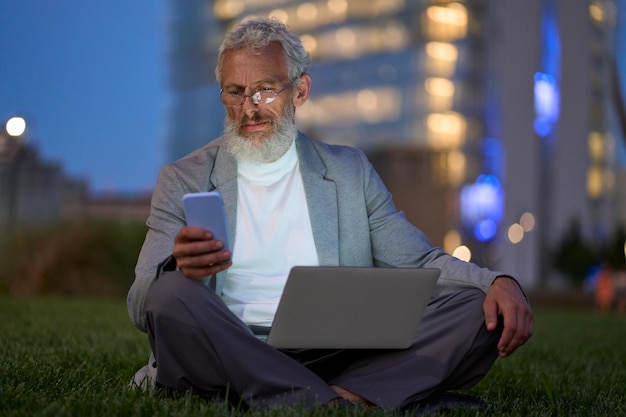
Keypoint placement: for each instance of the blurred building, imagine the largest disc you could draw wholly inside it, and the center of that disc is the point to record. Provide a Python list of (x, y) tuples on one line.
[(490, 121), (34, 192), (118, 207)]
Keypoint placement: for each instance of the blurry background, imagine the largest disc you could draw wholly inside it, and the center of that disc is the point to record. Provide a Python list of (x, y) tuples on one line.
[(499, 126)]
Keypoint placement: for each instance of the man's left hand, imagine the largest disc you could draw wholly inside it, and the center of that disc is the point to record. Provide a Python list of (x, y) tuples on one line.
[(505, 298)]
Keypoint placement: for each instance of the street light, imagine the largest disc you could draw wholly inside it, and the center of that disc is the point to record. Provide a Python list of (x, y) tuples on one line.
[(12, 138), (16, 126), (12, 143)]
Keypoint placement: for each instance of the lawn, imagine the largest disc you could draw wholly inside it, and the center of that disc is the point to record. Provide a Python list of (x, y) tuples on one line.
[(75, 356)]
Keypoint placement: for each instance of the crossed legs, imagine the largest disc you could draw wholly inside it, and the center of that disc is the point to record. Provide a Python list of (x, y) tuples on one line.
[(200, 345)]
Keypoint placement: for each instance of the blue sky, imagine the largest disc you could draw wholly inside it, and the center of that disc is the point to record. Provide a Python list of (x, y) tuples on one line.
[(90, 78)]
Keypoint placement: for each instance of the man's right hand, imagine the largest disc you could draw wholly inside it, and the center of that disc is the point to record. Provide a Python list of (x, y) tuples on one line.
[(198, 255)]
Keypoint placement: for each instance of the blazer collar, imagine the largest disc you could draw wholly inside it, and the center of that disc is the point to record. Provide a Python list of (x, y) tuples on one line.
[(223, 178), (321, 195)]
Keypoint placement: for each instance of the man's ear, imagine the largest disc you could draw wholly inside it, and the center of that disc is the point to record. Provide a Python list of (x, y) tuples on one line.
[(303, 89)]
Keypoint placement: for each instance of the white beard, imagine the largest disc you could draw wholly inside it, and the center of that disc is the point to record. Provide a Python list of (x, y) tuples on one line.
[(269, 149)]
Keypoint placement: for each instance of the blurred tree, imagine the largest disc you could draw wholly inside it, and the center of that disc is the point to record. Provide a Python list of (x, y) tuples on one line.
[(572, 256), (615, 255)]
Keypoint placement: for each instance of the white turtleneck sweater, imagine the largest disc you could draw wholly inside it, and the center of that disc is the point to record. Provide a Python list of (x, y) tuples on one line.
[(273, 234)]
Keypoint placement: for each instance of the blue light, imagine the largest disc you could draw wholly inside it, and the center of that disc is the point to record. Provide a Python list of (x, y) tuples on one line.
[(485, 230), (542, 126), (491, 180), (547, 103), (493, 158), (482, 206)]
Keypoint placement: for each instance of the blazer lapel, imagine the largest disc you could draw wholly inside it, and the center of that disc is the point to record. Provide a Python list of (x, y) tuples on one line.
[(224, 179), (321, 195)]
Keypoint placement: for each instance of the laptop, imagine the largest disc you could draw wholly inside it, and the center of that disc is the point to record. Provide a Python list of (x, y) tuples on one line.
[(331, 307)]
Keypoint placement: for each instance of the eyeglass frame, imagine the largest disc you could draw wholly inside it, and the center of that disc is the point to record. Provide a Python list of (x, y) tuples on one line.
[(255, 101)]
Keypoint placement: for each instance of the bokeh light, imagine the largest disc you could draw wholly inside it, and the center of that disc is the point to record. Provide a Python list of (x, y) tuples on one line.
[(451, 241), (463, 253), (515, 233), (528, 222), (16, 126)]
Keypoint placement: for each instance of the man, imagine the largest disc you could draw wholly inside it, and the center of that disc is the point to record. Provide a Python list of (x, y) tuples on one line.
[(291, 200)]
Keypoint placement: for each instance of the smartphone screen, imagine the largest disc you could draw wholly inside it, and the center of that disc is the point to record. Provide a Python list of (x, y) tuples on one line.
[(206, 210)]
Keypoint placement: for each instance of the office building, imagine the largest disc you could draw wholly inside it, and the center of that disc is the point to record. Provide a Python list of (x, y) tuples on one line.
[(490, 121)]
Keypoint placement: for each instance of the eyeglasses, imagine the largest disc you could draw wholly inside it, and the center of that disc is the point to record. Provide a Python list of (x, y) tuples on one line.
[(264, 96)]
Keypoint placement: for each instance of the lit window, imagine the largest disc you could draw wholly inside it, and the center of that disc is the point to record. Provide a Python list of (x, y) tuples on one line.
[(596, 146), (439, 87), (441, 58), (370, 105), (228, 9), (280, 14), (596, 11), (455, 167), (442, 51), (345, 38), (451, 241), (440, 93), (338, 7), (446, 22), (446, 130), (594, 182), (307, 11), (310, 44)]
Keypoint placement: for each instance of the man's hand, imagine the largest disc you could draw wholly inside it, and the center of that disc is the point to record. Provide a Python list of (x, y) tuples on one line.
[(505, 298), (198, 255)]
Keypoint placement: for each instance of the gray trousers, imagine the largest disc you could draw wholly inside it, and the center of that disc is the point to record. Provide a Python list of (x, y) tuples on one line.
[(200, 345)]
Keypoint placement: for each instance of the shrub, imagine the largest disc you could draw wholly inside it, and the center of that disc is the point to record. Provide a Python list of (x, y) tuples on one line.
[(573, 256), (82, 257)]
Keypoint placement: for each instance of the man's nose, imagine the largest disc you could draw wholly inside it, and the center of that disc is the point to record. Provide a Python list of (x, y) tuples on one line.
[(250, 106)]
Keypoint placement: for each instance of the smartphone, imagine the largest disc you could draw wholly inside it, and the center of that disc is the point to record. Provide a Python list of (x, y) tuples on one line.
[(206, 210)]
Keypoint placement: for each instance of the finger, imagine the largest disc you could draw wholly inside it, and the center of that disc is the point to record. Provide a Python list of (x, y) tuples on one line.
[(203, 272), (527, 320), (515, 343), (191, 233), (528, 325), (200, 258), (197, 248), (523, 332), (509, 333), (192, 241), (490, 309)]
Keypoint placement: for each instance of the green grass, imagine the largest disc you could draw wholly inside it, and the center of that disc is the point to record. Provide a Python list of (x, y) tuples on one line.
[(75, 356)]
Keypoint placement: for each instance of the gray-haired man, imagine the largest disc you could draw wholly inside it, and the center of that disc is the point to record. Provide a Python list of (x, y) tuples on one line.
[(291, 200)]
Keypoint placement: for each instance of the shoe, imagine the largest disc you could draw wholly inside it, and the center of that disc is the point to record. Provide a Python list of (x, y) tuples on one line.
[(447, 401)]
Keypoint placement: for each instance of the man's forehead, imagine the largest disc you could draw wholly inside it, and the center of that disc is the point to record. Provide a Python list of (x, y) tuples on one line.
[(273, 51), (254, 64)]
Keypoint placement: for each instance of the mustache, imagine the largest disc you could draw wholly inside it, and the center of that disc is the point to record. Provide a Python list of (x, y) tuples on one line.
[(254, 119)]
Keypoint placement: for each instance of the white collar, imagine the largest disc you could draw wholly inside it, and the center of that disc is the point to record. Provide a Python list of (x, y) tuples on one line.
[(269, 173)]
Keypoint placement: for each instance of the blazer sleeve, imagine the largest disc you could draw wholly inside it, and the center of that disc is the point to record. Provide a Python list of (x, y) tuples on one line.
[(397, 242), (164, 222)]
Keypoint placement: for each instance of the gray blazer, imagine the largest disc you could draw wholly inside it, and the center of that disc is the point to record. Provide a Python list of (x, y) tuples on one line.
[(354, 220)]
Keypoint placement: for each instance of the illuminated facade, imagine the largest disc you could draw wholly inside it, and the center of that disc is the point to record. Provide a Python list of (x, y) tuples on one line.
[(391, 72), (448, 98), (393, 75)]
